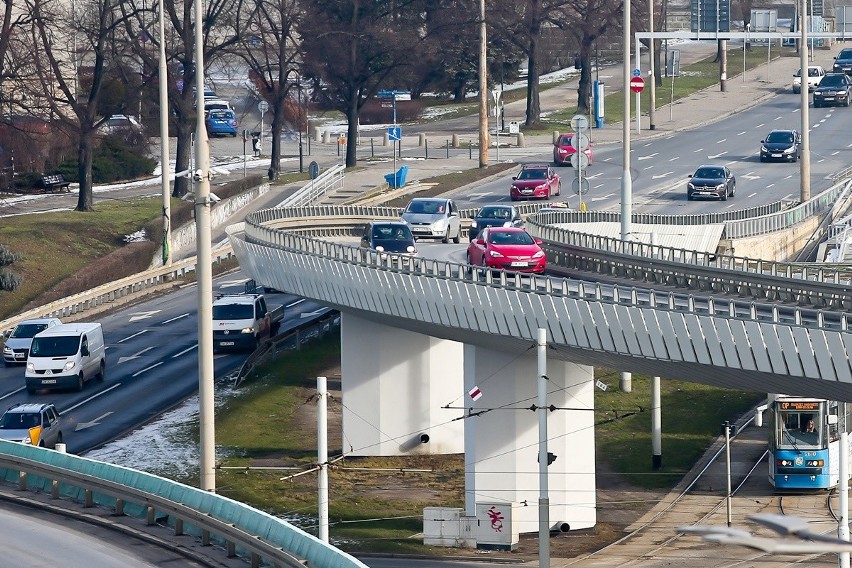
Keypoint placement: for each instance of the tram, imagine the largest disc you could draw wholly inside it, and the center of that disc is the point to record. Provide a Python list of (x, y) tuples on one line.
[(804, 442)]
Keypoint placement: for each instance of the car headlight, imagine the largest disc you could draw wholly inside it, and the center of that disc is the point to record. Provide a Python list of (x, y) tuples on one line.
[(842, 93), (507, 224), (411, 249), (764, 149), (720, 186), (380, 249), (439, 225), (30, 368), (26, 440), (690, 185), (473, 224), (247, 330), (494, 254), (789, 150), (68, 365), (7, 350), (541, 186), (539, 254)]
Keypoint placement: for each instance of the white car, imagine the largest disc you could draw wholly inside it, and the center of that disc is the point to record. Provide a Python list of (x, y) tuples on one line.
[(815, 74), (433, 218)]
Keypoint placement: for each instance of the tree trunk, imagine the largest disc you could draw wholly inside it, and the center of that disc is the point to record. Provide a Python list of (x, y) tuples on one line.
[(584, 88), (275, 130), (182, 158), (84, 170), (533, 102), (352, 131)]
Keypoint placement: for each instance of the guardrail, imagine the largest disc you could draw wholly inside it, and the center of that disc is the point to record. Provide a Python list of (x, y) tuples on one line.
[(131, 492), (330, 179), (819, 292)]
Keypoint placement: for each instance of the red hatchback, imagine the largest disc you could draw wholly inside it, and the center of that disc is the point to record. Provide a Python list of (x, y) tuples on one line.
[(507, 248), (562, 151), (535, 182)]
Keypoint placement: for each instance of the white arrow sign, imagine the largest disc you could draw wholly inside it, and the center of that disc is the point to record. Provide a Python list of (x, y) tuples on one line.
[(142, 315), (134, 356), (95, 422), (662, 175), (313, 314), (647, 157)]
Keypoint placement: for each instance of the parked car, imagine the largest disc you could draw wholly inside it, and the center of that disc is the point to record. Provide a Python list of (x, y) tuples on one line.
[(507, 248), (562, 151), (843, 61), (833, 89), (815, 74), (222, 123), (535, 182), (495, 216), (711, 181), (120, 123), (388, 237), (16, 347), (433, 218), (33, 423), (780, 145)]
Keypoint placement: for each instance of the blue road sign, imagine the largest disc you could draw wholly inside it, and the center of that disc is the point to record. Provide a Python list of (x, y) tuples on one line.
[(395, 134), (636, 73)]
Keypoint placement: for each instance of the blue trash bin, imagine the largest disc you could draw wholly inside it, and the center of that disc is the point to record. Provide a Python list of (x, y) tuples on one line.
[(397, 179)]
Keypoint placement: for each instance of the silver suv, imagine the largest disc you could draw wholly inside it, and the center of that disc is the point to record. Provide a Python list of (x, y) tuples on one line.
[(433, 218), (36, 424)]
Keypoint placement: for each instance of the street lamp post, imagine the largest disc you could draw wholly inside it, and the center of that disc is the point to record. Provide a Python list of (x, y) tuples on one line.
[(805, 162), (301, 154), (164, 144)]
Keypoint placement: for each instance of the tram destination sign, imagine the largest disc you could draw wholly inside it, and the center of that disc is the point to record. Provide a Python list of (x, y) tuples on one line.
[(800, 405)]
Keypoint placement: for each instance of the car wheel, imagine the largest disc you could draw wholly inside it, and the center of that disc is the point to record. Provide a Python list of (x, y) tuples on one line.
[(102, 372), (724, 196), (80, 382), (816, 104), (30, 390), (446, 237), (796, 91), (457, 238), (559, 188), (846, 104), (689, 197), (762, 159)]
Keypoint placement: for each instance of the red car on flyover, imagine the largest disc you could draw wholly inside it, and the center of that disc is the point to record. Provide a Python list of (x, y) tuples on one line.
[(507, 248)]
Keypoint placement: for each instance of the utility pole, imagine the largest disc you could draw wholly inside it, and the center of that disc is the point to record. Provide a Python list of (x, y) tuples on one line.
[(483, 90), (805, 162)]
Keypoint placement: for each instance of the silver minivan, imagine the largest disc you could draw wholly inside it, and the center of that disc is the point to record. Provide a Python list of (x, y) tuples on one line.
[(16, 345), (433, 218)]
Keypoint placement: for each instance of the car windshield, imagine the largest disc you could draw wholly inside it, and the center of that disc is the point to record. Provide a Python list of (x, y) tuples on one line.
[(426, 206), (832, 81), (709, 173), (19, 420), (494, 213), (55, 346), (510, 238), (233, 311), (813, 72), (845, 54), (391, 233), (565, 140), (27, 330), (532, 174), (780, 137)]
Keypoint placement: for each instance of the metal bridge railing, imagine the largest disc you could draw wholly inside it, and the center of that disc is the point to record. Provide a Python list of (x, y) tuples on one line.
[(330, 180)]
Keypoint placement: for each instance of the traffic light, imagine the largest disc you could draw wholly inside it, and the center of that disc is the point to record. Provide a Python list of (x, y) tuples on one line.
[(551, 457)]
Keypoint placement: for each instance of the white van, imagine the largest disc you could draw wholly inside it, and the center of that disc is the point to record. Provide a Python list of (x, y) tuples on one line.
[(66, 356)]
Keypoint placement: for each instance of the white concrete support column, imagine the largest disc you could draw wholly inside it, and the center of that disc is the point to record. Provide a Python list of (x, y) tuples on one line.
[(656, 425), (469, 433), (322, 457), (505, 462), (395, 384)]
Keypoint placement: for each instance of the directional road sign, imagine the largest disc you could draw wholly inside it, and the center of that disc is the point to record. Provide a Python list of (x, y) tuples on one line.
[(636, 73), (263, 106), (580, 186), (395, 134), (637, 84), (580, 160), (580, 141), (579, 122)]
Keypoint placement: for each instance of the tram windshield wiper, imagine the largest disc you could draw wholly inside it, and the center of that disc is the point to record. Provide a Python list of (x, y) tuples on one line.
[(791, 439)]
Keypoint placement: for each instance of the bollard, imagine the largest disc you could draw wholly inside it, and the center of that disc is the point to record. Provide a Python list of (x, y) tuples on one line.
[(372, 149), (555, 136), (455, 140), (386, 140), (421, 140), (470, 150), (325, 137), (426, 145), (448, 148), (521, 142), (60, 447)]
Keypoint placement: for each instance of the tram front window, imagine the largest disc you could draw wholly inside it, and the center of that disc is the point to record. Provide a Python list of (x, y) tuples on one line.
[(799, 430)]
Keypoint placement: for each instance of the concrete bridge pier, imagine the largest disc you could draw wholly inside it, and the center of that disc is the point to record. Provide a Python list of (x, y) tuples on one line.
[(502, 438)]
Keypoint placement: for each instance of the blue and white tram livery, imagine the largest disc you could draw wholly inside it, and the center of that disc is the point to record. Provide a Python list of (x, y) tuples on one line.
[(804, 442)]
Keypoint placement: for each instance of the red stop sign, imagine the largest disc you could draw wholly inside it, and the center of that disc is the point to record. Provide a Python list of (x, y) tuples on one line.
[(637, 84)]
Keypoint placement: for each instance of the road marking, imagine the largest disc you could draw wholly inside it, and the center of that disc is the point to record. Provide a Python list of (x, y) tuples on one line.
[(714, 156), (136, 316), (134, 356), (759, 125), (175, 319), (770, 185), (778, 118), (752, 195), (675, 159), (699, 150), (91, 398), (481, 194), (835, 153), (187, 350), (658, 176), (648, 167), (132, 336), (789, 195), (789, 176), (95, 422), (296, 303), (821, 160), (597, 186), (722, 140), (594, 176), (741, 133), (154, 366), (647, 144), (751, 175), (647, 157)]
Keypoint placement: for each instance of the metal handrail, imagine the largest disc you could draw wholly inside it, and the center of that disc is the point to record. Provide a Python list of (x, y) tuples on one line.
[(330, 179)]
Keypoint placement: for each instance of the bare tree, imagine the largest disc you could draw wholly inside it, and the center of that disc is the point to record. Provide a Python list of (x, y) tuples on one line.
[(70, 89), (351, 47)]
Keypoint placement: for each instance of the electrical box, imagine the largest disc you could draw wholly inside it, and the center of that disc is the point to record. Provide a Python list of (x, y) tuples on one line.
[(496, 530)]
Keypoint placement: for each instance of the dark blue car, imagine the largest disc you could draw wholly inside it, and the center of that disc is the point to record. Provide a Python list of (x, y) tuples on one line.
[(222, 123), (495, 216)]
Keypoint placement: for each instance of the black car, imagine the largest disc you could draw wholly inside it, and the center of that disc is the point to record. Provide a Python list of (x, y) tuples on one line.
[(495, 216), (388, 237), (843, 61), (833, 89), (711, 181), (780, 145)]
